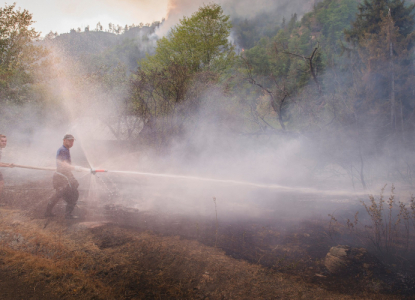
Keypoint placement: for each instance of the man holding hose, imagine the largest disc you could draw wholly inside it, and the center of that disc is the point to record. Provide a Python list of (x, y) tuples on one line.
[(3, 144), (64, 183)]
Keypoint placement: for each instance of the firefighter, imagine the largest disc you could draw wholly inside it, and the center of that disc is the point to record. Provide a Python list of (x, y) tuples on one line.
[(64, 183)]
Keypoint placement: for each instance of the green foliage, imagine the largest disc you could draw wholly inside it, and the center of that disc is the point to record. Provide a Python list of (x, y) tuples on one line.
[(18, 54), (248, 32), (383, 38), (198, 43), (96, 49), (328, 20), (279, 58), (168, 85), (372, 12), (281, 67)]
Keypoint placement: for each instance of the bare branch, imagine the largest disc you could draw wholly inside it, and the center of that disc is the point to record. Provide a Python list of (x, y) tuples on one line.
[(311, 66)]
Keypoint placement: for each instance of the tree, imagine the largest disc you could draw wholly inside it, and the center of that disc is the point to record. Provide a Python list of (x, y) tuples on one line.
[(18, 54), (383, 35), (199, 42), (281, 67), (193, 54), (376, 102), (327, 23), (98, 27), (372, 12)]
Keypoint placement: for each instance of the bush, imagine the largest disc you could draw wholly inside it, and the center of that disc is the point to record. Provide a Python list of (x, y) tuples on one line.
[(388, 229)]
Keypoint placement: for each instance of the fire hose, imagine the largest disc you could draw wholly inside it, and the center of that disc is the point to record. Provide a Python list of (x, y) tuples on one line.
[(77, 168)]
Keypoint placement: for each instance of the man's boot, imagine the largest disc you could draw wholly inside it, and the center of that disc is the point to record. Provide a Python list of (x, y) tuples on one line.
[(48, 213), (69, 209), (71, 198), (51, 204)]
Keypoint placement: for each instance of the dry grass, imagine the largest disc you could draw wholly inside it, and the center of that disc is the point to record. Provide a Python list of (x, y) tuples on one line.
[(49, 256), (108, 262)]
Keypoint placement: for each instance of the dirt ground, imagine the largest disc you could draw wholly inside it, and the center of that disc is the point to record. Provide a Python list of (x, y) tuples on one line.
[(114, 252)]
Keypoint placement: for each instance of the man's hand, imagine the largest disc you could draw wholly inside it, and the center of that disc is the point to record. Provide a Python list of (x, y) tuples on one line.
[(78, 169)]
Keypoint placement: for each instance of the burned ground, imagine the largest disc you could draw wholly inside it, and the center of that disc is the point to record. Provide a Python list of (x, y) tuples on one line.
[(116, 252)]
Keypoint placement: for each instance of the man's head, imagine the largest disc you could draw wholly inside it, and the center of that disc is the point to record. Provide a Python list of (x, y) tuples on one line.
[(3, 141), (68, 140)]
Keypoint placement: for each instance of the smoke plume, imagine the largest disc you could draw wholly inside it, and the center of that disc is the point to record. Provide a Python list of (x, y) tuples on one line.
[(177, 9)]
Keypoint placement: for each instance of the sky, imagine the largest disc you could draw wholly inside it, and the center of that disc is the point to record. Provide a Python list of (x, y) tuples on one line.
[(63, 15)]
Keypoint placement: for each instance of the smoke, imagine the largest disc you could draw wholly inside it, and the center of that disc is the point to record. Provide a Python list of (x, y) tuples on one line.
[(279, 169), (177, 9), (73, 102), (61, 16), (141, 11), (210, 147)]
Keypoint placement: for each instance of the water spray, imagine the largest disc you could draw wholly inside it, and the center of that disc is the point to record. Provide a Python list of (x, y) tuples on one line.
[(233, 182)]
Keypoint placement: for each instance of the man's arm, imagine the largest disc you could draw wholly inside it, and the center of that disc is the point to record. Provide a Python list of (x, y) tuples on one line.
[(64, 165)]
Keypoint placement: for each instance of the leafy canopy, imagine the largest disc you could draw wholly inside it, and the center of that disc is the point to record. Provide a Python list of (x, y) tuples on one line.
[(371, 14), (18, 54), (199, 42)]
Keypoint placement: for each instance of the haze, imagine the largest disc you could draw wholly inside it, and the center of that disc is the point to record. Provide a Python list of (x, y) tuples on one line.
[(61, 16)]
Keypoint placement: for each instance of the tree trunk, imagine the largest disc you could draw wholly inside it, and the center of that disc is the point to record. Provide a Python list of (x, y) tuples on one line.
[(392, 100), (392, 95)]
